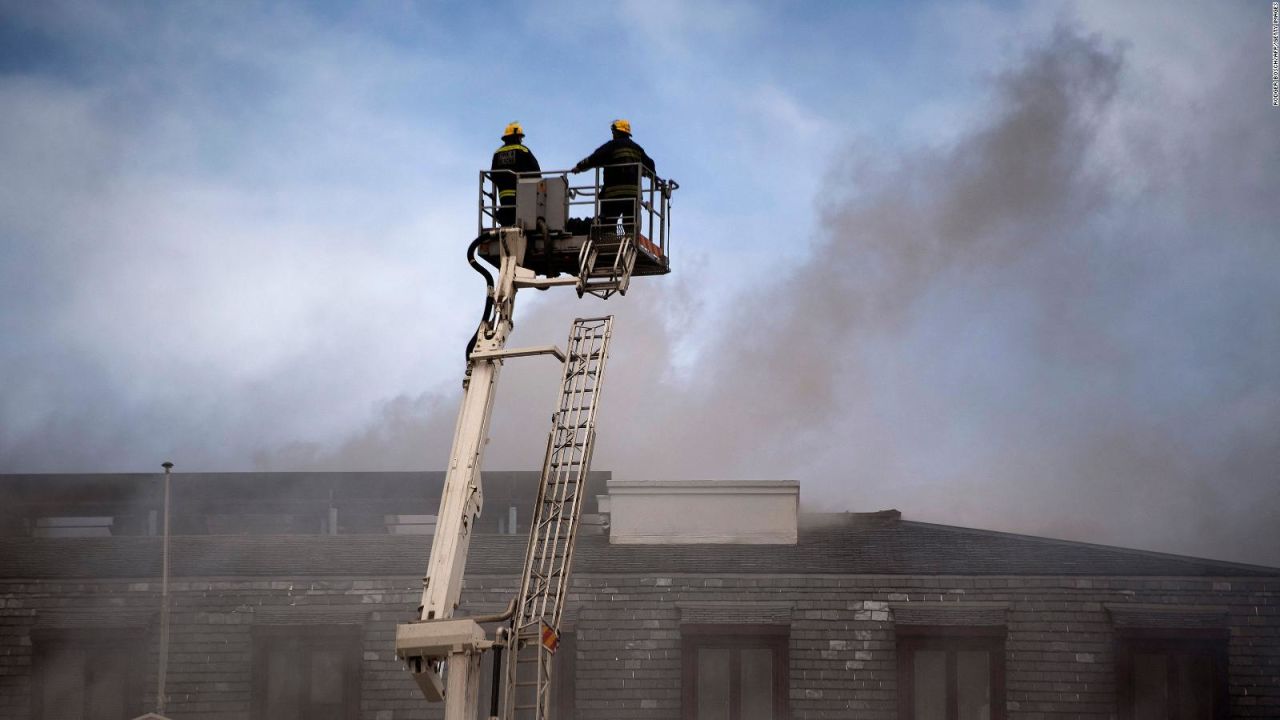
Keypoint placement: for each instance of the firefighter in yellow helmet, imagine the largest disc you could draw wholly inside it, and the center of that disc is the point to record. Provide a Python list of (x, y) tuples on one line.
[(510, 162), (620, 190)]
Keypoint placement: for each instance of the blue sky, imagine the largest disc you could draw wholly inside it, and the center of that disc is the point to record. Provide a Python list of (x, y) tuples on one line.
[(997, 264)]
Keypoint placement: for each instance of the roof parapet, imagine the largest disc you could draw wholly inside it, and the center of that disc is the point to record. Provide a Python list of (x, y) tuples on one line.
[(758, 512)]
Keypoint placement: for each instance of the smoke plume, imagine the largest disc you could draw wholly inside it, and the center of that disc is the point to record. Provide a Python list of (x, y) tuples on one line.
[(1060, 323), (1055, 316)]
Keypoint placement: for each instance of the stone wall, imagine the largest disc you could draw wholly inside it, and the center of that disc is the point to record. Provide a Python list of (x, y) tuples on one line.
[(1059, 635)]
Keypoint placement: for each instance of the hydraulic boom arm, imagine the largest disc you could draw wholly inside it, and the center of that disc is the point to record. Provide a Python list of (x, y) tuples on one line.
[(426, 645), (442, 651)]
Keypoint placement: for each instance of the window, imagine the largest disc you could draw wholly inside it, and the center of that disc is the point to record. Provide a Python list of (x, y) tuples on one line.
[(951, 673), (1172, 674), (65, 527), (87, 674), (306, 671), (735, 672)]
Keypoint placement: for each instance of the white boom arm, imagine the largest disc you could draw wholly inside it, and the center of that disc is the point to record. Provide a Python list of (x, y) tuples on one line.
[(435, 639), (462, 500), (439, 648)]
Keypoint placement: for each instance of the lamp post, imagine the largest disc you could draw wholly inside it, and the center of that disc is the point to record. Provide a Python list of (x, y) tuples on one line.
[(164, 609), (164, 599)]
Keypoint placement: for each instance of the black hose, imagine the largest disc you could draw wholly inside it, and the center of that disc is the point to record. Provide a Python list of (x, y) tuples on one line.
[(488, 298), (497, 681)]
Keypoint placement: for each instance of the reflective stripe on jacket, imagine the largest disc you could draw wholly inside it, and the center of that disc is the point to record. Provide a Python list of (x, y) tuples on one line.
[(619, 182), (515, 158)]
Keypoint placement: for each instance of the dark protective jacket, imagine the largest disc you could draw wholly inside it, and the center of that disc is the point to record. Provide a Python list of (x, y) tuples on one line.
[(619, 182), (518, 159)]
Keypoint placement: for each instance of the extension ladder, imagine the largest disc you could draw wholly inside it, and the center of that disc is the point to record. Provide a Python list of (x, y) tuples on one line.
[(535, 625)]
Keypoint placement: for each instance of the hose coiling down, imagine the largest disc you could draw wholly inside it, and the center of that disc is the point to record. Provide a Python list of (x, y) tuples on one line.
[(487, 318)]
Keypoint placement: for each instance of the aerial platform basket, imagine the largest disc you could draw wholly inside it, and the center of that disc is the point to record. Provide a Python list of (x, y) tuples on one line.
[(571, 229)]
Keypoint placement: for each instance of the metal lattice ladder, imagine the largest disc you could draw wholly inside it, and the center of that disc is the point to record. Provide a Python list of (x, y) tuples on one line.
[(536, 622), (606, 261)]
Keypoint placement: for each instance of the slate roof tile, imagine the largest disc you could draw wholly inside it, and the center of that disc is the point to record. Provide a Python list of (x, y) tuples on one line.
[(851, 547)]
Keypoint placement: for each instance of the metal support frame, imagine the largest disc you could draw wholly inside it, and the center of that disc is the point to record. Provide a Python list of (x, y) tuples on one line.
[(652, 215), (551, 350), (443, 652)]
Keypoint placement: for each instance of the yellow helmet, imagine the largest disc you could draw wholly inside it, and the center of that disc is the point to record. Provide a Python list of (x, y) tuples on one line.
[(621, 126), (513, 128)]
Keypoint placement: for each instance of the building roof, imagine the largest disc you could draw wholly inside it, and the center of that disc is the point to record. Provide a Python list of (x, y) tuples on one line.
[(291, 501), (846, 544), (116, 492)]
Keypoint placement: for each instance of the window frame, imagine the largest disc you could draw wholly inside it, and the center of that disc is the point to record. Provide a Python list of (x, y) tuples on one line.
[(910, 638), (346, 637), (776, 638), (1212, 642), (43, 640)]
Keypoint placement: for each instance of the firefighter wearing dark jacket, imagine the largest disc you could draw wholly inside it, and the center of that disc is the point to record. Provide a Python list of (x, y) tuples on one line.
[(512, 157), (620, 191)]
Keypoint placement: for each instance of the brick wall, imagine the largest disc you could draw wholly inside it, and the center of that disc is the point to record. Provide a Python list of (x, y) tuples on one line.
[(1059, 643)]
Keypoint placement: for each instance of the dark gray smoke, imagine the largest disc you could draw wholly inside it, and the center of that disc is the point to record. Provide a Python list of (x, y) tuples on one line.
[(1063, 323)]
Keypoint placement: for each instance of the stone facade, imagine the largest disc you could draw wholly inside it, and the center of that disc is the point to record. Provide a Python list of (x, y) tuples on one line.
[(846, 606), (1059, 634)]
